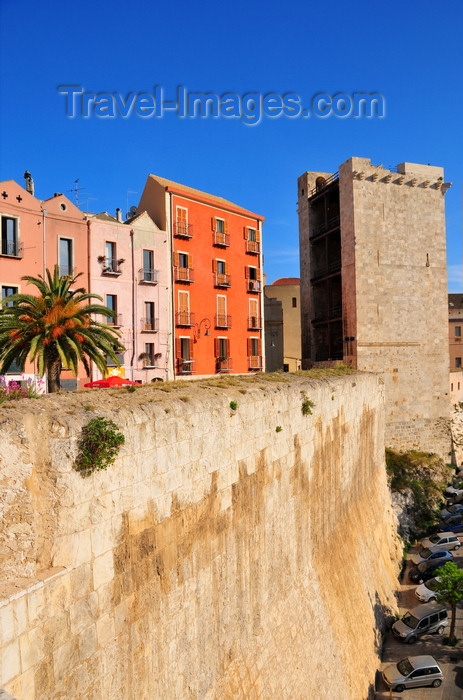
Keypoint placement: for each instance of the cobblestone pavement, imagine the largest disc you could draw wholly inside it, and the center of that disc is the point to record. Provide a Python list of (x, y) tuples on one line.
[(450, 659)]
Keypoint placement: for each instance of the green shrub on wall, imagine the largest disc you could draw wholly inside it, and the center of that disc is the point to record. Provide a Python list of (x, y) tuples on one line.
[(99, 445)]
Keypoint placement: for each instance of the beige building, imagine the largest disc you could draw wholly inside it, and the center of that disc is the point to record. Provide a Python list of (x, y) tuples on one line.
[(456, 346), (283, 336), (374, 287)]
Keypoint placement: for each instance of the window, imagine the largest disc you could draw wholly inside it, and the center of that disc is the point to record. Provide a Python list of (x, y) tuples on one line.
[(294, 303), (149, 322), (458, 362), (183, 263), (66, 258), (457, 331), (252, 238), (254, 353), (222, 354), (221, 271), (181, 226), (148, 271), (10, 236), (111, 303), (110, 259), (220, 232), (7, 292), (222, 320), (254, 319), (253, 278), (184, 317), (184, 355), (148, 358)]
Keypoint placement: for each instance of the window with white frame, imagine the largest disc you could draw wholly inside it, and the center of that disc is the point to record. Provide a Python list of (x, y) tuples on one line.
[(66, 257), (10, 245)]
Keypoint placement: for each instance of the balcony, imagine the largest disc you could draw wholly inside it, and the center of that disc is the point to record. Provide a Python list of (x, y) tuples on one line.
[(115, 322), (146, 276), (326, 226), (185, 366), (12, 249), (149, 325), (253, 285), (329, 268), (111, 266), (184, 274), (253, 247), (254, 323), (224, 364), (184, 318), (183, 230), (223, 321), (221, 239), (255, 362), (222, 280)]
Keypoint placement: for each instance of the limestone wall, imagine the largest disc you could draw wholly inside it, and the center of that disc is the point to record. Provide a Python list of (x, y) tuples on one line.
[(217, 558)]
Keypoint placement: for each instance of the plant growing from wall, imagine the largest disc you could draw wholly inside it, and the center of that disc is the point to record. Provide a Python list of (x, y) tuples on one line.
[(278, 429), (99, 445), (233, 405), (307, 406)]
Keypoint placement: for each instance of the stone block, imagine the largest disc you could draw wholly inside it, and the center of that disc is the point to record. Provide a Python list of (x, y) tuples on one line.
[(32, 647), (87, 643), (103, 569), (83, 612), (105, 629), (7, 624), (10, 661)]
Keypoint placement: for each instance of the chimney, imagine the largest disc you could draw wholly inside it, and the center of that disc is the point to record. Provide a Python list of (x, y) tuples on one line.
[(118, 214), (29, 182)]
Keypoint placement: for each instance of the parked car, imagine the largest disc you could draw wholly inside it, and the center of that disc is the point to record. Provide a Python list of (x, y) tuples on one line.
[(413, 672), (441, 540), (451, 510), (424, 619), (426, 570), (454, 493), (426, 593), (430, 555), (453, 524)]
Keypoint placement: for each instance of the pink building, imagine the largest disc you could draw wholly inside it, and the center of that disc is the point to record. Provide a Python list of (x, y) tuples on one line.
[(129, 269)]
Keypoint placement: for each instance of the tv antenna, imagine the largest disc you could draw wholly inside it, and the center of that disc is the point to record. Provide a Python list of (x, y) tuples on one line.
[(77, 190)]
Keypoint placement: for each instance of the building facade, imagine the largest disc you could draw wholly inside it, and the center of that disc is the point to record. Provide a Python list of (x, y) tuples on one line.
[(216, 272), (286, 290), (37, 235), (456, 346), (374, 287), (129, 269)]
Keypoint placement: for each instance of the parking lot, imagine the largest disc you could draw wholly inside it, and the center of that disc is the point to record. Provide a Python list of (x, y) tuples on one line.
[(450, 659)]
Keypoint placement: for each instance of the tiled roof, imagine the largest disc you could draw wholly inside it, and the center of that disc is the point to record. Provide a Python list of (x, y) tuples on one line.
[(171, 185), (456, 300), (286, 281)]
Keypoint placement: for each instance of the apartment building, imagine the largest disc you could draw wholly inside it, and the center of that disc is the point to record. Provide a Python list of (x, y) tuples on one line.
[(374, 287), (456, 346), (285, 290), (37, 235), (216, 263), (129, 269)]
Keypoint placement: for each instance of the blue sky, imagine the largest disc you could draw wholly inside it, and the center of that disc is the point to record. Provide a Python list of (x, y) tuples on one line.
[(408, 52)]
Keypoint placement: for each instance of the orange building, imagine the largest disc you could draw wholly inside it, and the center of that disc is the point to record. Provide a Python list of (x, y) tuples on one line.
[(37, 235), (216, 253)]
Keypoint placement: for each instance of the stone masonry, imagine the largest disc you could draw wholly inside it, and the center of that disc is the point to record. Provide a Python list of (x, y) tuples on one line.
[(393, 290)]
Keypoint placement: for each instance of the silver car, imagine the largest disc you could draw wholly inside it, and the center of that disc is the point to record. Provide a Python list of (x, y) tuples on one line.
[(441, 540), (413, 672)]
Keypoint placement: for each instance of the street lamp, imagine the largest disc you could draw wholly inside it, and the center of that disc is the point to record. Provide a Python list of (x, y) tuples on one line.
[(197, 331)]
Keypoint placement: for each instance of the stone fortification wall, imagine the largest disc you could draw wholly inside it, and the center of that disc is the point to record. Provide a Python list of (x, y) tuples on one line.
[(217, 558)]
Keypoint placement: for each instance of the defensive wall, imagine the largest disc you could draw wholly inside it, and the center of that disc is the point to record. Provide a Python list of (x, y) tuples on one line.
[(218, 557)]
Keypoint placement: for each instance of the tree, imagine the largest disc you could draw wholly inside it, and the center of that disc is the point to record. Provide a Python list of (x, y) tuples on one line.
[(56, 329), (449, 591)]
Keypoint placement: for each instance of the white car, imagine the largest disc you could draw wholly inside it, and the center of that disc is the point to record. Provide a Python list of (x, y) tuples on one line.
[(454, 494), (413, 672), (426, 592)]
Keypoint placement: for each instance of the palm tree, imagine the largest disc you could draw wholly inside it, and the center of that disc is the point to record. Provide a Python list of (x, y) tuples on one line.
[(55, 328)]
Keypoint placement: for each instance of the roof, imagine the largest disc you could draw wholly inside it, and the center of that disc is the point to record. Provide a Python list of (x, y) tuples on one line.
[(176, 186), (456, 300), (104, 216), (283, 281)]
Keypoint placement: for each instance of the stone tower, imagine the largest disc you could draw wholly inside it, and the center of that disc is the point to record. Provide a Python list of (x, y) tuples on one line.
[(374, 288)]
